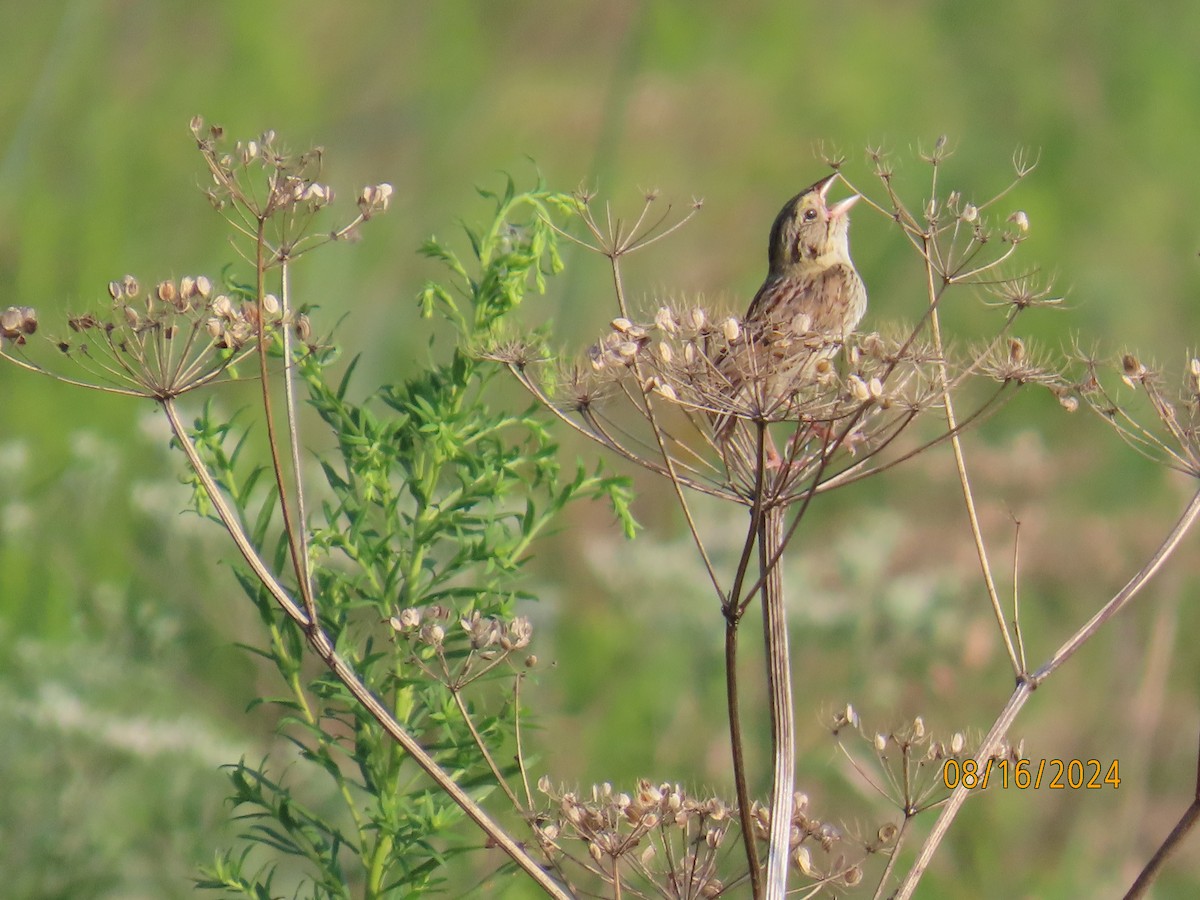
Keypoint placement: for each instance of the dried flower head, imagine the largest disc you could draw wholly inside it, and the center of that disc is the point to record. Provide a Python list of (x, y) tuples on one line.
[(173, 340)]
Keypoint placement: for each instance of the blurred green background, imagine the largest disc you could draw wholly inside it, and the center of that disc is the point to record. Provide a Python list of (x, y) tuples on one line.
[(120, 691)]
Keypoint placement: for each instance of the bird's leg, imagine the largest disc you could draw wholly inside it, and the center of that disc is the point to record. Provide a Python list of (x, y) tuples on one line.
[(772, 458)]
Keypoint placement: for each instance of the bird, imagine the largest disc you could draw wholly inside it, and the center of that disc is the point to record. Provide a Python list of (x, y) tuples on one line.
[(809, 270), (811, 299)]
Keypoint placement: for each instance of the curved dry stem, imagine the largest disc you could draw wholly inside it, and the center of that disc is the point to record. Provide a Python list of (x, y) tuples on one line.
[(1026, 685), (1152, 869), (291, 527), (960, 464), (293, 430)]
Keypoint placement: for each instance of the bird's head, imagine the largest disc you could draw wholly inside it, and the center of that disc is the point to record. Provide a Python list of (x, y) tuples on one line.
[(809, 233)]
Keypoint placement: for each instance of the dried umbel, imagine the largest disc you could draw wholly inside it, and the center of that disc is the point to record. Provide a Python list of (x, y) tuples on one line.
[(911, 760), (456, 649), (259, 181), (1168, 431), (823, 398), (164, 339), (159, 343), (661, 838)]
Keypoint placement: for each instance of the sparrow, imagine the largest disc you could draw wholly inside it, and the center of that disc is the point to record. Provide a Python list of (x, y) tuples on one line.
[(810, 300), (810, 275)]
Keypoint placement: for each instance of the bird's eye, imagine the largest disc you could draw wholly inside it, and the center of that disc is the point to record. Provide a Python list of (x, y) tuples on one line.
[(810, 215)]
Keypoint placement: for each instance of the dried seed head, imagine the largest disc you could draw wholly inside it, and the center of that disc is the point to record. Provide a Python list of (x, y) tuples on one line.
[(880, 743), (666, 391), (303, 327), (270, 305), (222, 306), (732, 329), (621, 324), (664, 352), (130, 286), (19, 321), (203, 286), (318, 194), (374, 198), (1016, 349), (957, 743), (410, 617), (970, 213), (166, 291), (802, 859), (116, 289), (433, 635), (1069, 402), (698, 318), (187, 288), (918, 728), (518, 634), (665, 320), (597, 358), (1020, 219)]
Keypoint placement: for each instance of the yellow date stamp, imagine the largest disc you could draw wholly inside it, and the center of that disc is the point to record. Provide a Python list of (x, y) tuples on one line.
[(1032, 775)]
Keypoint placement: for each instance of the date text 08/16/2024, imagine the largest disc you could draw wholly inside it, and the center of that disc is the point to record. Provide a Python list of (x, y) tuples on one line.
[(1027, 774)]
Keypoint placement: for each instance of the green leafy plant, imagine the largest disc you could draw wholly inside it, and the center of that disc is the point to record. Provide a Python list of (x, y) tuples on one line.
[(399, 569)]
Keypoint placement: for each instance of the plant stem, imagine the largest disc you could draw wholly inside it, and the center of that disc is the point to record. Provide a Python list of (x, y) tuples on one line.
[(732, 620), (779, 687), (1186, 822)]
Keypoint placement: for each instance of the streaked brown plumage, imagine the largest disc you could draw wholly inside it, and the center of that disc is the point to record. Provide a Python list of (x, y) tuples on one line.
[(809, 268), (810, 300)]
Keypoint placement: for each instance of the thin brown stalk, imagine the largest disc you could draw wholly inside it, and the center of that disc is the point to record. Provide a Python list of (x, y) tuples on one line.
[(964, 481), (897, 843), (737, 747), (1170, 844), (290, 526), (293, 431), (673, 475), (483, 749), (520, 752)]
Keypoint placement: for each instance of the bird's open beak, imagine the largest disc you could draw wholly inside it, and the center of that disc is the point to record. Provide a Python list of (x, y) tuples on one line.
[(825, 184), (842, 206)]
